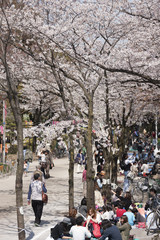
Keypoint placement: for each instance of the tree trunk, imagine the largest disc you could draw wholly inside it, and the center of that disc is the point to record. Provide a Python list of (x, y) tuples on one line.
[(19, 181), (107, 170), (107, 100), (90, 170), (122, 143), (34, 141), (107, 163), (111, 164), (13, 96), (71, 172), (14, 102), (122, 138), (20, 162), (114, 169)]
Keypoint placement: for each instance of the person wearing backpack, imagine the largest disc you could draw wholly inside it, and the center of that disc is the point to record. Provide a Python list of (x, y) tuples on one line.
[(61, 230)]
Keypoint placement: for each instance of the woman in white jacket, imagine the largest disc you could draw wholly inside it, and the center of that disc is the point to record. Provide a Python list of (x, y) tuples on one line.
[(35, 193)]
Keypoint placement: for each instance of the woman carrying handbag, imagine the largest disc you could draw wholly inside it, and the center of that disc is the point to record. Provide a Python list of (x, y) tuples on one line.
[(35, 193)]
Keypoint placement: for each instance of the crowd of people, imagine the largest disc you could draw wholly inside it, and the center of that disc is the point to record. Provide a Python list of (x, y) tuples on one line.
[(114, 220), (115, 212)]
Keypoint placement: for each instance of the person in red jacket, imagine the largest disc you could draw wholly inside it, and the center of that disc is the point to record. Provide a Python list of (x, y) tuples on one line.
[(119, 210)]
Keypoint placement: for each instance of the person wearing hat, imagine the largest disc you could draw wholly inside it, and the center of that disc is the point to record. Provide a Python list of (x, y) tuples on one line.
[(100, 179), (61, 230)]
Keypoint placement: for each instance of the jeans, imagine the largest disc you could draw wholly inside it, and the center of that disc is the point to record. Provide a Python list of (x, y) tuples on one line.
[(126, 182)]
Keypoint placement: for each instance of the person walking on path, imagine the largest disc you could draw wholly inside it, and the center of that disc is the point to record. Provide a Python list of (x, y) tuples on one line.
[(38, 170), (84, 181), (49, 162), (43, 163), (80, 160), (35, 193)]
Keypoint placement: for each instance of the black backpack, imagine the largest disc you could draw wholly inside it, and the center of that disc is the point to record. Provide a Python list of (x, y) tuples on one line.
[(122, 165), (125, 167), (57, 231)]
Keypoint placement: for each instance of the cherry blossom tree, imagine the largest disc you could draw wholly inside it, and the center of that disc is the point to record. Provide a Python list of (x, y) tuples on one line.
[(77, 39), (9, 57), (79, 43), (137, 56)]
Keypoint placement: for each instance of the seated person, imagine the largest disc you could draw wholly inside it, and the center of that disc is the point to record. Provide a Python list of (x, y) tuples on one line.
[(130, 216), (78, 231), (99, 180), (119, 210), (99, 201), (156, 167), (111, 232), (83, 207), (127, 200), (72, 216), (93, 222), (152, 202), (107, 213), (139, 214), (61, 230), (117, 196), (124, 227), (145, 168)]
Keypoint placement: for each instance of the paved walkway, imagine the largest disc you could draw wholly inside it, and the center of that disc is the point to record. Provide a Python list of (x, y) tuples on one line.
[(54, 211)]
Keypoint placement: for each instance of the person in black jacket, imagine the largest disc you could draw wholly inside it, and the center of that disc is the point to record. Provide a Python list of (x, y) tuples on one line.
[(61, 230), (110, 231), (127, 200)]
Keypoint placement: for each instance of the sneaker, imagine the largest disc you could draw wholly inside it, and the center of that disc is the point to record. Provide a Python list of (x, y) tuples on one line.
[(37, 225)]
